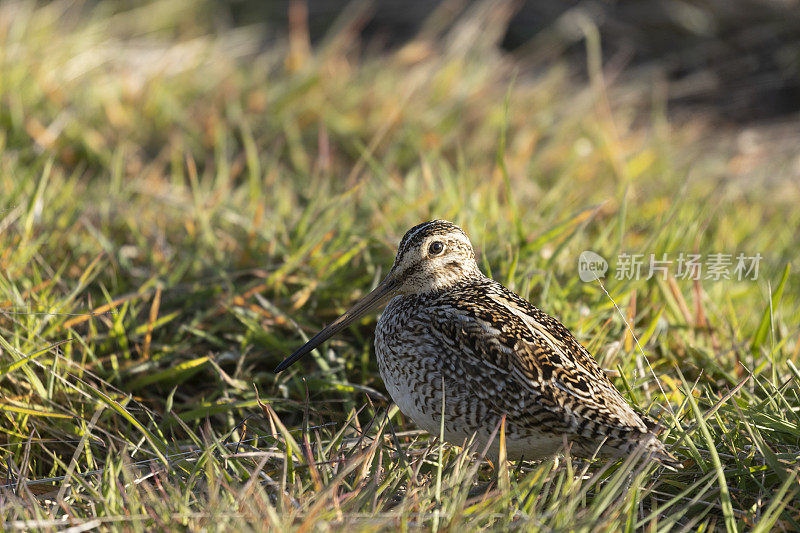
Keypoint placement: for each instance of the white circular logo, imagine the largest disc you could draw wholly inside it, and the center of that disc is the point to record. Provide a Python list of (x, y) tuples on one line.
[(591, 266)]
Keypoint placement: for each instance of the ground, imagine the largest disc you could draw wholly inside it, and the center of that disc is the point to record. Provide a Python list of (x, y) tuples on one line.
[(184, 203)]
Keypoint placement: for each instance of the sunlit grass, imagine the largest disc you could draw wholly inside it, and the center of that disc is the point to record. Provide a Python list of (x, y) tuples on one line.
[(181, 206)]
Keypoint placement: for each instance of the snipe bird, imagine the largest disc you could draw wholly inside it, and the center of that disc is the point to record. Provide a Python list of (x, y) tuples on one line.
[(449, 330)]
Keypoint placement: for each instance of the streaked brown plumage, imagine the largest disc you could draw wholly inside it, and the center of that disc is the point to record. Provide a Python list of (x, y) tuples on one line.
[(448, 328)]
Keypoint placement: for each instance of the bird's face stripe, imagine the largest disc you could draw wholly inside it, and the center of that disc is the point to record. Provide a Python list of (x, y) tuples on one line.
[(420, 232)]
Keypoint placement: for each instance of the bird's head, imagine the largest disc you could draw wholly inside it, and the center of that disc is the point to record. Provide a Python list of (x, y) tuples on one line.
[(432, 256)]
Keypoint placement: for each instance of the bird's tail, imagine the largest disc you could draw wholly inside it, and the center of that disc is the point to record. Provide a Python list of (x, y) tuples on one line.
[(656, 450), (640, 443)]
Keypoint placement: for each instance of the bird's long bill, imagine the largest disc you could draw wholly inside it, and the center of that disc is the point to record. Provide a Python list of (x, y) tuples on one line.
[(371, 301)]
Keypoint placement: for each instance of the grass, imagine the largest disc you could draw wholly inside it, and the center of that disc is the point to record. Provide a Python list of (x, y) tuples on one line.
[(182, 205)]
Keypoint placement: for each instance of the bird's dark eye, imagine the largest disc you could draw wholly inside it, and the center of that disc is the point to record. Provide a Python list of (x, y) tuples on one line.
[(436, 248)]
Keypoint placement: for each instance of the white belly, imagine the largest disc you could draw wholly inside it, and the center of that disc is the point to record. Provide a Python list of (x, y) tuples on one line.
[(459, 430)]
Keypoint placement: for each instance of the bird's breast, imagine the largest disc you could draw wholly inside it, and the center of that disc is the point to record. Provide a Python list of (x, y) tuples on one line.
[(408, 362), (418, 363)]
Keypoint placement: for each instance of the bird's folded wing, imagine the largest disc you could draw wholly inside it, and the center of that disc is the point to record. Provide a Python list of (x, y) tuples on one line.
[(527, 365)]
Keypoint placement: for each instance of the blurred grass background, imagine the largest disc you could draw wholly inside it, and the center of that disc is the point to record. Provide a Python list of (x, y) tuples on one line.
[(187, 194)]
